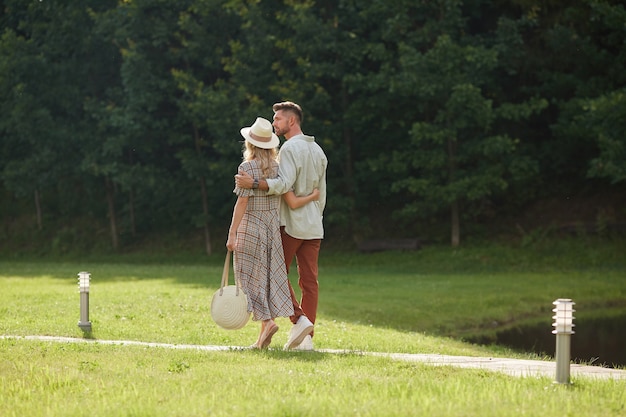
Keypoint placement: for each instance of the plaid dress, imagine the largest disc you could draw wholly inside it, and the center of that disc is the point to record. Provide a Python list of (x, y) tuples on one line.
[(259, 261)]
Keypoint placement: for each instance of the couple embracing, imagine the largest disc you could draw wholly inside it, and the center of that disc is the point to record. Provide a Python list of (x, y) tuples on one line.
[(281, 197)]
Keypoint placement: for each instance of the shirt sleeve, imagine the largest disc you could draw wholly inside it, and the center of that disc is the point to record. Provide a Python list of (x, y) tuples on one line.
[(287, 169), (244, 192)]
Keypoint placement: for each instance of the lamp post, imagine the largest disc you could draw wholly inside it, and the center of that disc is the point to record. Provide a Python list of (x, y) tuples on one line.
[(563, 324), (83, 287)]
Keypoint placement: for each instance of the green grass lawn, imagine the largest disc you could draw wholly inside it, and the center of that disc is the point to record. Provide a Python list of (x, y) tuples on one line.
[(413, 302)]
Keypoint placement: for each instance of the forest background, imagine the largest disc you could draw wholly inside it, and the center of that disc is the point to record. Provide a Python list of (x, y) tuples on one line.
[(446, 120)]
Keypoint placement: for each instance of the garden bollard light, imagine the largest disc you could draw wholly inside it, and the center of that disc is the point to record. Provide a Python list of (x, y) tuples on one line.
[(563, 325), (83, 287)]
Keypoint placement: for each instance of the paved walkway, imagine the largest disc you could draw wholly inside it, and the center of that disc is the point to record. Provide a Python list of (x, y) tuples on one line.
[(515, 367)]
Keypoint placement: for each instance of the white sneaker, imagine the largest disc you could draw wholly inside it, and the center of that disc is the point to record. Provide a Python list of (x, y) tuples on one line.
[(307, 344), (298, 332)]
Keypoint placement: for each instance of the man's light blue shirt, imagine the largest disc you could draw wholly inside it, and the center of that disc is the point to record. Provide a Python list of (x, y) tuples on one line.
[(302, 168)]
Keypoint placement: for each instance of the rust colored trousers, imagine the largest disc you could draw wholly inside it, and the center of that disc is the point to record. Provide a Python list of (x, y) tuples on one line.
[(306, 252)]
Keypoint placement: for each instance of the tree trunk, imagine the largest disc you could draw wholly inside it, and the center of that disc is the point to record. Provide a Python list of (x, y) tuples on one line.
[(131, 212), (112, 217), (349, 175), (205, 197), (131, 200), (455, 226), (205, 212), (38, 209)]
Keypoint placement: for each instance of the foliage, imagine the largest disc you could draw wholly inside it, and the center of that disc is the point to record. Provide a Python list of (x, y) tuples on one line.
[(424, 109), (606, 117)]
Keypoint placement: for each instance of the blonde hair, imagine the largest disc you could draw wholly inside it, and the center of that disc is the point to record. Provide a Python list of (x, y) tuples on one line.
[(266, 157)]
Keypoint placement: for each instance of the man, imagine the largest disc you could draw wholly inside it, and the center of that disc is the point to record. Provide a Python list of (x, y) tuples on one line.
[(302, 168)]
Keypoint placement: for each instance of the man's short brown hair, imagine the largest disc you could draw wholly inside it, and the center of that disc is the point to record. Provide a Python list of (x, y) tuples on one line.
[(291, 107)]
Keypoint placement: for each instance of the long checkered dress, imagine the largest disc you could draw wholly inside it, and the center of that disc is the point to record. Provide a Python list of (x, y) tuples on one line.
[(259, 261)]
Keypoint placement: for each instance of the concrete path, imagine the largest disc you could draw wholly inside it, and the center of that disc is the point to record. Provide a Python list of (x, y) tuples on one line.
[(515, 367)]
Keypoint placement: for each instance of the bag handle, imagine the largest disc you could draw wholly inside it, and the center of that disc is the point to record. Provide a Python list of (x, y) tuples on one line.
[(225, 275)]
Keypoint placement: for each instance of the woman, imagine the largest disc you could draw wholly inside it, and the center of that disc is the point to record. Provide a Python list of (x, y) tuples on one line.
[(254, 235)]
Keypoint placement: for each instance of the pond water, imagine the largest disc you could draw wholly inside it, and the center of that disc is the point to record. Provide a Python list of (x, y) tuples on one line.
[(599, 341)]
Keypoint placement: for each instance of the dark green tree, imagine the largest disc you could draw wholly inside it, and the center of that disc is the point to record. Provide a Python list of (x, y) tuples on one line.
[(46, 73), (605, 117), (127, 113), (209, 107)]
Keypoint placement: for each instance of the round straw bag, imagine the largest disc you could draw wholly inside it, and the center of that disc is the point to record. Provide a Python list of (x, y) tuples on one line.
[(229, 306)]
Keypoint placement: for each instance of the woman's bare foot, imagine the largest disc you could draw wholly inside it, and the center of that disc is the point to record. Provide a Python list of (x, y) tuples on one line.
[(269, 329)]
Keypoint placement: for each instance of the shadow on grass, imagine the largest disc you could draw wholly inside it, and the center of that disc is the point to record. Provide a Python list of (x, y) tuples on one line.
[(88, 335), (203, 275), (311, 356), (407, 291), (561, 255)]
